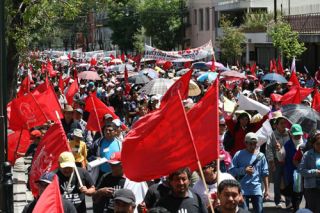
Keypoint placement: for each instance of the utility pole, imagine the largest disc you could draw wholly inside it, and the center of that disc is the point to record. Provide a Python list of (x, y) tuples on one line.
[(6, 184), (275, 20)]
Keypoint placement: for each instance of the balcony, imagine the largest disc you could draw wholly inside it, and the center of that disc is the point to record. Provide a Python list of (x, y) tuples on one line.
[(305, 23), (225, 5)]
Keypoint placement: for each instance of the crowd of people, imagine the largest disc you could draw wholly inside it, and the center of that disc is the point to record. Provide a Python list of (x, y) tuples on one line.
[(288, 156)]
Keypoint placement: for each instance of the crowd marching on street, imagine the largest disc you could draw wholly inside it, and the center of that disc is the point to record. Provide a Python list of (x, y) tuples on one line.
[(156, 135)]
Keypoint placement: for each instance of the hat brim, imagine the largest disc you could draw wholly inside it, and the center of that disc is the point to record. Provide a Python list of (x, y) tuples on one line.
[(68, 164), (43, 180), (124, 199), (297, 133), (114, 162)]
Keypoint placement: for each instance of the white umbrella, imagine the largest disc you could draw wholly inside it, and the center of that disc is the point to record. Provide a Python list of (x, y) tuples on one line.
[(157, 86)]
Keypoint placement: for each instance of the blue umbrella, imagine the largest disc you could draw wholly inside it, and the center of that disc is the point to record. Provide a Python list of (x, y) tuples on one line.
[(200, 66), (210, 76), (274, 77)]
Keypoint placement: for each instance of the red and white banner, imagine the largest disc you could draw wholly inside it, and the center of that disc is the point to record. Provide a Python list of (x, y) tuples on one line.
[(189, 54)]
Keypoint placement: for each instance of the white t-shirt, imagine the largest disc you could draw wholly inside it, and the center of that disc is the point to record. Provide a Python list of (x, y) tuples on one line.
[(200, 189)]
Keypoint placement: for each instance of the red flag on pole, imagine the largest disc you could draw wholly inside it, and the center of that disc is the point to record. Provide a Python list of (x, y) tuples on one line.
[(50, 69), (294, 79), (280, 68), (43, 87), (93, 62), (181, 85), (155, 139), (112, 57), (123, 58), (316, 100), (61, 83), (50, 200), (73, 89), (274, 65), (271, 68), (253, 69), (137, 59), (97, 108), (34, 110), (18, 141), (24, 87), (126, 81), (213, 66), (204, 121), (295, 95), (187, 64), (47, 154)]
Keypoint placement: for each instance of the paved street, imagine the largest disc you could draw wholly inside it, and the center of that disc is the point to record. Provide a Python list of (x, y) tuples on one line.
[(22, 195)]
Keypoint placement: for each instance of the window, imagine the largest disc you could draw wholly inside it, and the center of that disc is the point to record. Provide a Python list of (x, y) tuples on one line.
[(195, 17), (207, 18), (201, 19)]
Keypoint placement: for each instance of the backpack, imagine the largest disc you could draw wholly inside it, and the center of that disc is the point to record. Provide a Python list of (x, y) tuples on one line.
[(228, 141)]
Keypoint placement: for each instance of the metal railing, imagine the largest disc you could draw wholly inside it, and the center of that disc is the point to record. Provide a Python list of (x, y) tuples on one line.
[(305, 23)]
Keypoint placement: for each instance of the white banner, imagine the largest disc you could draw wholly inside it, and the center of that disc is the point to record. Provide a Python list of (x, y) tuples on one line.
[(246, 103), (193, 54)]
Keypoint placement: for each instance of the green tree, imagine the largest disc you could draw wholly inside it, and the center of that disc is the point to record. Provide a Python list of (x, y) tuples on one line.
[(256, 21), (286, 40), (231, 43), (124, 21), (163, 21), (31, 21), (138, 40)]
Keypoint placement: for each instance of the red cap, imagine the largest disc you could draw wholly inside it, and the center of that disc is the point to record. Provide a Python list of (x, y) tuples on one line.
[(115, 158), (35, 133), (275, 97)]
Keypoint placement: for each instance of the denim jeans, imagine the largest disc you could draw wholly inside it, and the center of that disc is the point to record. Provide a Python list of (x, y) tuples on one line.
[(257, 202)]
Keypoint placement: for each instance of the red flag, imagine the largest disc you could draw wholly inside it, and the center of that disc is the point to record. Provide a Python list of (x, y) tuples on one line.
[(43, 68), (123, 57), (253, 69), (137, 59), (271, 68), (181, 85), (126, 81), (204, 120), (75, 73), (167, 65), (69, 56), (187, 64), (294, 79), (274, 65), (18, 141), (153, 139), (50, 200), (47, 154), (73, 89), (61, 83), (316, 100), (93, 62), (93, 105), (50, 69), (213, 66), (112, 57), (24, 87), (44, 86), (295, 95), (280, 68)]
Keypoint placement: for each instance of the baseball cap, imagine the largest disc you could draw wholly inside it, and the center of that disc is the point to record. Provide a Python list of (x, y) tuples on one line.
[(79, 110), (68, 108), (77, 133), (251, 137), (106, 116), (82, 86), (125, 195), (66, 159), (117, 122), (46, 177), (296, 129), (115, 158)]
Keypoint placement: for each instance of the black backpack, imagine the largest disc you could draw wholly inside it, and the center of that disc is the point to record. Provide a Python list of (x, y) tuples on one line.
[(228, 141)]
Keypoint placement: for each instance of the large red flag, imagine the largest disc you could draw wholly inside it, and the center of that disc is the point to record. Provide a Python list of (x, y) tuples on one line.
[(97, 108), (253, 69), (44, 86), (50, 200), (34, 110), (158, 144), (204, 120), (73, 89), (126, 81), (280, 67), (294, 79), (24, 87), (18, 142), (316, 100), (295, 95), (181, 85), (47, 154)]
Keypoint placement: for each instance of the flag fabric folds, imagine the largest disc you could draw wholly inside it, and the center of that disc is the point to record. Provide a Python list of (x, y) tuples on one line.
[(47, 154), (50, 200), (295, 95), (73, 89), (316, 100), (18, 142)]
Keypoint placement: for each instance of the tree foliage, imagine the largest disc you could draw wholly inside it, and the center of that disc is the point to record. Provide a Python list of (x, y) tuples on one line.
[(162, 20), (124, 21), (256, 21), (286, 40), (231, 43)]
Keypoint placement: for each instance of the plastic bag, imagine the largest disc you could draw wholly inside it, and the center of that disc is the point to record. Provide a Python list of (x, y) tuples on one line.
[(297, 182)]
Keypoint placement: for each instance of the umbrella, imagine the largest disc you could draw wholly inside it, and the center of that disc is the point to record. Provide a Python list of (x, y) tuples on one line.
[(182, 72), (210, 76), (89, 75), (216, 64), (233, 74), (139, 79), (194, 89), (150, 72), (120, 67), (130, 74), (274, 77), (308, 118), (200, 65), (157, 86)]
